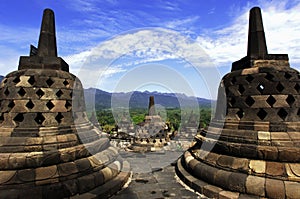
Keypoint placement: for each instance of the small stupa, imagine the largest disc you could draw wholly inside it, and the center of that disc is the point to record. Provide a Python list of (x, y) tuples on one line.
[(48, 147), (252, 146)]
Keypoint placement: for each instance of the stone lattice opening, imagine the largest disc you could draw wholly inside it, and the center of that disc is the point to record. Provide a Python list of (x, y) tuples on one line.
[(271, 100), (1, 117), (154, 141), (11, 104), (29, 104), (297, 87), (19, 117), (249, 101), (290, 100), (241, 89), (59, 93), (249, 78), (40, 93), (66, 83), (6, 92), (21, 92), (298, 113), (71, 94), (50, 82), (16, 80), (39, 118), (279, 87), (233, 80), (287, 75), (282, 113), (240, 114), (269, 77), (59, 118), (232, 101), (31, 80), (5, 80), (50, 105), (68, 105), (260, 88), (262, 114)]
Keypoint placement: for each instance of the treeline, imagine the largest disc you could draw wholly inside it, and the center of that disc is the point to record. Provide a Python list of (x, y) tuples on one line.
[(174, 117)]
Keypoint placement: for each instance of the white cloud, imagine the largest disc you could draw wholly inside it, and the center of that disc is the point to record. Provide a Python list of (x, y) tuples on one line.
[(282, 29)]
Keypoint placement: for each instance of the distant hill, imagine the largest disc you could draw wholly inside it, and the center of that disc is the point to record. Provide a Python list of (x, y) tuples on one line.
[(139, 99), (1, 78)]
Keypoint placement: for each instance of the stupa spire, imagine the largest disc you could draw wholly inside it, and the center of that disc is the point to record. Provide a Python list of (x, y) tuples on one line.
[(151, 107), (47, 41), (257, 46), (45, 56)]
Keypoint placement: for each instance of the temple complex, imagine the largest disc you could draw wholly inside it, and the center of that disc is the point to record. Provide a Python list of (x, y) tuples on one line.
[(48, 147), (252, 147)]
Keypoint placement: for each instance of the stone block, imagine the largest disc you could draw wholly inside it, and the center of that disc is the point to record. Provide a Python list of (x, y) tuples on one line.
[(83, 164), (255, 185), (275, 188), (257, 166), (237, 182), (211, 191), (26, 175), (275, 168), (292, 190), (228, 195), (67, 169), (263, 135)]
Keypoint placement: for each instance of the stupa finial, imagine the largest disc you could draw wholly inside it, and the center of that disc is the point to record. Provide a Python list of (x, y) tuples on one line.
[(45, 56), (151, 108), (257, 46), (47, 41)]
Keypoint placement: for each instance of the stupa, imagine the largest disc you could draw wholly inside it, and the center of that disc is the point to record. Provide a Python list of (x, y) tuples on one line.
[(152, 132), (48, 147), (252, 146)]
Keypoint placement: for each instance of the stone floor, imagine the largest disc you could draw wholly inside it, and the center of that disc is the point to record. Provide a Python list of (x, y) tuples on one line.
[(153, 177)]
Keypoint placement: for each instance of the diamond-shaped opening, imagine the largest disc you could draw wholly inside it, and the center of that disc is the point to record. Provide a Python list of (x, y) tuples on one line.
[(290, 100), (269, 77), (282, 113), (249, 78), (249, 101), (240, 114), (260, 88), (271, 100), (16, 80), (233, 80), (71, 94), (6, 92), (49, 82), (11, 104), (29, 104), (241, 89), (50, 105), (59, 118), (68, 105), (1, 117), (39, 118), (59, 93), (279, 87), (297, 87), (31, 80), (40, 93), (19, 117), (21, 92), (5, 80), (147, 140), (232, 101), (66, 83), (154, 141), (298, 113), (262, 114), (287, 75)]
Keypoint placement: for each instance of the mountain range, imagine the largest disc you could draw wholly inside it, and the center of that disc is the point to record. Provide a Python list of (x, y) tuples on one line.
[(138, 99)]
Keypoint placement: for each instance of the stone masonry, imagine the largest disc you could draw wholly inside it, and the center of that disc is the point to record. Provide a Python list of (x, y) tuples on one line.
[(48, 147), (252, 146)]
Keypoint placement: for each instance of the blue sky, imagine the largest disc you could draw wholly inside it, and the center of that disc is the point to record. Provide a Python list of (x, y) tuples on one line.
[(107, 41)]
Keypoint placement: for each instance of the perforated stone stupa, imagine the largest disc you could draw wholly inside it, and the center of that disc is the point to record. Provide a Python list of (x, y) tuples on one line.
[(48, 147), (252, 147)]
